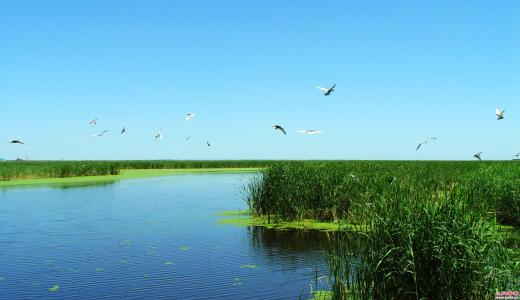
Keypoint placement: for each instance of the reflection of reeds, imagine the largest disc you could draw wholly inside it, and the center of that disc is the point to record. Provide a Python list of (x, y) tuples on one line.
[(425, 228)]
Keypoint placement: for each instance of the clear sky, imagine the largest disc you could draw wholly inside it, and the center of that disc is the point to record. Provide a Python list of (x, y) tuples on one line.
[(405, 70)]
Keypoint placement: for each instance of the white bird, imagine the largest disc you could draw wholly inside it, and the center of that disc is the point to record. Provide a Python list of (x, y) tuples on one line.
[(327, 91), (93, 122), (477, 155), (158, 135), (101, 133), (424, 142), (500, 113), (189, 116), (310, 131), (278, 127)]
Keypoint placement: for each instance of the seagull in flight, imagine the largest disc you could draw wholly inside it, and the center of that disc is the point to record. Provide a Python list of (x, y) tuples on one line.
[(158, 135), (278, 127), (327, 91), (310, 131), (187, 138), (424, 142), (477, 155), (209, 145), (189, 116), (101, 133), (500, 114), (123, 130), (16, 142), (93, 122)]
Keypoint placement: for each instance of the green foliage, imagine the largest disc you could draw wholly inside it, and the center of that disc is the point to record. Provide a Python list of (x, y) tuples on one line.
[(54, 169), (426, 230)]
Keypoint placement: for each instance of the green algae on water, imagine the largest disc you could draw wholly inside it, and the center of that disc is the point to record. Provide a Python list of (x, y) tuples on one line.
[(184, 248), (54, 288), (168, 263), (248, 267)]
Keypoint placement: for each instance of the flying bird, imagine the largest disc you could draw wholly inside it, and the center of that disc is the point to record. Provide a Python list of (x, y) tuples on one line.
[(93, 122), (278, 127), (189, 116), (189, 137), (327, 91), (500, 113), (517, 155), (123, 130), (209, 145), (424, 142), (310, 131), (101, 133), (477, 155), (16, 142), (158, 135)]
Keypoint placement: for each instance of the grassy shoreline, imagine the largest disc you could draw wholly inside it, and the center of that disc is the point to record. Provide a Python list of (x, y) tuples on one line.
[(124, 174)]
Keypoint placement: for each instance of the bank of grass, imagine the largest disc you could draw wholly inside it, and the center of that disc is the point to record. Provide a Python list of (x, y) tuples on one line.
[(433, 230), (122, 174), (10, 170)]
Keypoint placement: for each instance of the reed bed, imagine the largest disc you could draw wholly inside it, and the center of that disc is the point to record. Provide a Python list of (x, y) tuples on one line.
[(426, 230), (49, 169)]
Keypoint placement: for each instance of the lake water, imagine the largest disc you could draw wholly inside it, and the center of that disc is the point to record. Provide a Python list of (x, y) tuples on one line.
[(148, 239)]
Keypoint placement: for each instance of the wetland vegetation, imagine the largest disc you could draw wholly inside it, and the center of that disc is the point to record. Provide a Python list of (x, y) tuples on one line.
[(422, 230)]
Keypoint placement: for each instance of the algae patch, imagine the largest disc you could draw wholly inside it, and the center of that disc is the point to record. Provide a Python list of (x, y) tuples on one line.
[(54, 288), (243, 218), (248, 267), (168, 263), (184, 248)]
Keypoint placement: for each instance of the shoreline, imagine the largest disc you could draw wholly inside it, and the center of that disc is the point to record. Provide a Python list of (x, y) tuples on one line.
[(125, 174)]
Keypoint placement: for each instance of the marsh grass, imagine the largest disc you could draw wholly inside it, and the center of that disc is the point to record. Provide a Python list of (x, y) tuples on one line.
[(426, 230), (58, 169)]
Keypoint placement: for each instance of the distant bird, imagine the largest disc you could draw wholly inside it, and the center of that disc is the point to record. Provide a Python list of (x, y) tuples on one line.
[(101, 133), (327, 91), (16, 142), (424, 142), (517, 155), (189, 116), (209, 145), (477, 155), (189, 137), (278, 127), (500, 113), (310, 131), (93, 122), (158, 135), (123, 130)]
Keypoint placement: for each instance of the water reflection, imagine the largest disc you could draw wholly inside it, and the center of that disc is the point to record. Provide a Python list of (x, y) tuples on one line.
[(290, 240)]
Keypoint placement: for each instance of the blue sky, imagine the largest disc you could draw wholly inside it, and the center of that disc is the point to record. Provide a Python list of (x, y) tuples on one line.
[(405, 70)]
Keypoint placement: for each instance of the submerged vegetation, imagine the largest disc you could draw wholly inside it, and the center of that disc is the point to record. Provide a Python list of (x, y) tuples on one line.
[(426, 230)]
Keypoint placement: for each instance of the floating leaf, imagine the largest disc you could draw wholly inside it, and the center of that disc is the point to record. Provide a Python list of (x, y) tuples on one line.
[(54, 288), (248, 266)]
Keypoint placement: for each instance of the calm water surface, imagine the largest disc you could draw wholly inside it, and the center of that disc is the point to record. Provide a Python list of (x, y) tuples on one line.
[(148, 239)]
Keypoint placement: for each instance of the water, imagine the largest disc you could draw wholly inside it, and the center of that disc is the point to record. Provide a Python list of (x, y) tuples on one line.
[(148, 239)]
